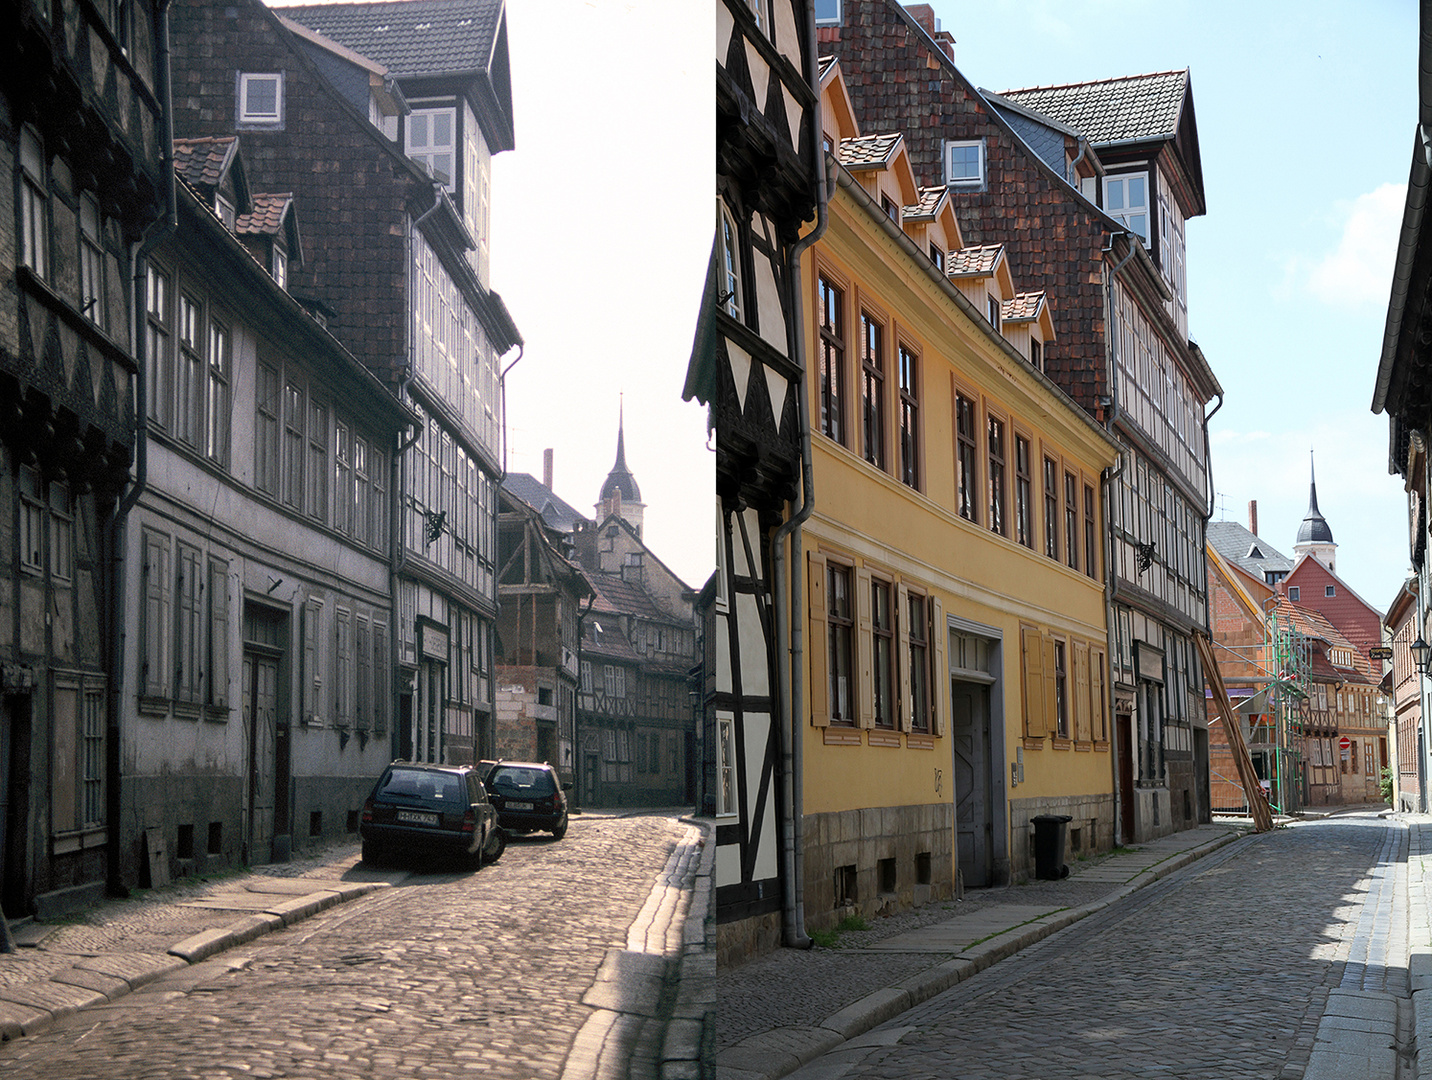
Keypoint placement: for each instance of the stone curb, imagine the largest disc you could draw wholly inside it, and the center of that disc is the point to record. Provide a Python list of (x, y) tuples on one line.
[(30, 1007), (773, 1054)]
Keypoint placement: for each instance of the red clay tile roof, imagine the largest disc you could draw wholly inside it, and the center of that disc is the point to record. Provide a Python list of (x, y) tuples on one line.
[(868, 151), (267, 216), (929, 204), (203, 162), (977, 261), (1023, 308), (1113, 110)]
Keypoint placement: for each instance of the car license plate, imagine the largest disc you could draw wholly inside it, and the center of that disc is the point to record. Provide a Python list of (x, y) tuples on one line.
[(416, 817), (519, 806)]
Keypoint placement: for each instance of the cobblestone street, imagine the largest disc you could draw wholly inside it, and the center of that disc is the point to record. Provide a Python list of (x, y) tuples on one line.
[(1223, 970), (444, 974)]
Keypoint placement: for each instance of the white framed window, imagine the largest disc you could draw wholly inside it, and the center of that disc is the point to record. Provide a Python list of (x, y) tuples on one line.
[(34, 205), (725, 765), (828, 12), (1126, 198), (730, 298), (216, 440), (432, 135), (1293, 593), (260, 98), (965, 163), (91, 263), (32, 521), (1330, 590), (992, 303), (280, 267)]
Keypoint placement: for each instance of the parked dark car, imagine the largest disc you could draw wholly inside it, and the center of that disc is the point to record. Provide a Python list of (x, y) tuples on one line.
[(431, 810), (529, 796)]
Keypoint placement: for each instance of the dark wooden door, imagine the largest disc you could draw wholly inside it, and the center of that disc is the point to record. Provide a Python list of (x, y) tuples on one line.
[(260, 707), (1124, 723), (969, 723)]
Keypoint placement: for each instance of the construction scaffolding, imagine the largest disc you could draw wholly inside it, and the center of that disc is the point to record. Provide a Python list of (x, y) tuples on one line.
[(1275, 735)]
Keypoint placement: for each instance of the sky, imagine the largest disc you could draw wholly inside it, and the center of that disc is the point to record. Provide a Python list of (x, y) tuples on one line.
[(1306, 113), (602, 227)]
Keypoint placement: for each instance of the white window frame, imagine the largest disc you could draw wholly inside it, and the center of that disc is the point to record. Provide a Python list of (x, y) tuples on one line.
[(976, 181), (726, 793), (424, 154), (248, 115), (92, 292), (1128, 211), (830, 20), (730, 268), (1294, 593)]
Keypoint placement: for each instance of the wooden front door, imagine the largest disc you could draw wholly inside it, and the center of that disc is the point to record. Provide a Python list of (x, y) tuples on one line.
[(260, 708), (1124, 722), (974, 820)]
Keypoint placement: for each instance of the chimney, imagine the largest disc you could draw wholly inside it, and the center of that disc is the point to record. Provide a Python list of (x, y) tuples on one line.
[(924, 14), (1253, 516), (547, 468)]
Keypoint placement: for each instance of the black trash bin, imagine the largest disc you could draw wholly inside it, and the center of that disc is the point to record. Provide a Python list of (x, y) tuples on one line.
[(1049, 846)]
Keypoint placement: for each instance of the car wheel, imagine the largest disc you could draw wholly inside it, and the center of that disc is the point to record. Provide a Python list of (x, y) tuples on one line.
[(372, 854), (496, 845), (561, 830)]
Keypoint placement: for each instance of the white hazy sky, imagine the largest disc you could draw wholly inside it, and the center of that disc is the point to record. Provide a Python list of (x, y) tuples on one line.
[(1306, 112)]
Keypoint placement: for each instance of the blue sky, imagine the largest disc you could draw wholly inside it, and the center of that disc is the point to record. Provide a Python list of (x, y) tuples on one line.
[(1306, 113)]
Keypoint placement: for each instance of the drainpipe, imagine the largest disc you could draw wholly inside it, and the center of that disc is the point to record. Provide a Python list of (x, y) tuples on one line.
[(789, 612), (1108, 476), (115, 528), (1074, 165)]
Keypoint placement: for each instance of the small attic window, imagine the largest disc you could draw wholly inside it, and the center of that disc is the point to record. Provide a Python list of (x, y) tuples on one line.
[(993, 312), (827, 12), (279, 267), (892, 211), (965, 163), (260, 98), (1254, 552), (225, 210), (1036, 354)]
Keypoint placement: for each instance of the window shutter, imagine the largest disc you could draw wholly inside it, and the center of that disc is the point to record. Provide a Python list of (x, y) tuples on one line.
[(380, 678), (156, 615), (940, 677), (1051, 698), (1082, 724), (1035, 725), (818, 644), (219, 633), (312, 671), (1098, 707), (865, 649), (902, 653)]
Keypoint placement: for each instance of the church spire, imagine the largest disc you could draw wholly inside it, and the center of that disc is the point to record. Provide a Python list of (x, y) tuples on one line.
[(1315, 537), (620, 494)]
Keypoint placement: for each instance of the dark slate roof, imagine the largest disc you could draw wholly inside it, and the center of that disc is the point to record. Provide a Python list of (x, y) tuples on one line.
[(267, 216), (203, 162), (1244, 550), (1105, 111), (976, 261), (555, 512), (1023, 308), (620, 478), (868, 151), (410, 37), (1315, 528)]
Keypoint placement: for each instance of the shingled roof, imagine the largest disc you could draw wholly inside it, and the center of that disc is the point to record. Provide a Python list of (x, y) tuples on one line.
[(928, 206), (978, 260), (267, 216), (1134, 107), (203, 162), (1023, 308), (1251, 554), (869, 151), (410, 37)]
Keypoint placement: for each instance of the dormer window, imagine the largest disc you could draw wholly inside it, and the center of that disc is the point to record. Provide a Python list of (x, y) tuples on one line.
[(1127, 199), (261, 99), (225, 211), (431, 142), (1036, 353), (993, 302), (965, 163), (937, 257), (892, 211), (827, 12), (279, 267)]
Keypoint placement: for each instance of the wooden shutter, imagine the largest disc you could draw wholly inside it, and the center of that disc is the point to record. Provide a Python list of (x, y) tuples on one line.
[(1035, 725), (940, 677), (865, 650), (902, 655), (381, 692), (312, 668), (156, 616), (1051, 696), (1098, 707), (1082, 723), (817, 643), (218, 632)]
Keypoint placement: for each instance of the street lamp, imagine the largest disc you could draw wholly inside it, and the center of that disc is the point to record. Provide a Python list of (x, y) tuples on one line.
[(1422, 654)]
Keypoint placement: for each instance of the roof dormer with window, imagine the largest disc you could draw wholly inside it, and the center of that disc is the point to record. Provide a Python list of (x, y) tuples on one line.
[(270, 233), (1027, 324), (982, 273)]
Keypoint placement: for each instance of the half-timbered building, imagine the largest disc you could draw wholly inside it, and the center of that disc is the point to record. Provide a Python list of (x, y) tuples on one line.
[(747, 366), (83, 128)]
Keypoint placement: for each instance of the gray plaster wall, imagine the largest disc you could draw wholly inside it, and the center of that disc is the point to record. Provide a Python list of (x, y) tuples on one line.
[(1093, 821)]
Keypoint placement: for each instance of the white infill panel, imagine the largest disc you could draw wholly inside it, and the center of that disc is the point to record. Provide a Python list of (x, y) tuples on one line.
[(777, 385), (728, 865), (793, 117), (760, 70), (788, 42), (740, 361), (725, 26), (755, 678), (758, 730), (773, 314)]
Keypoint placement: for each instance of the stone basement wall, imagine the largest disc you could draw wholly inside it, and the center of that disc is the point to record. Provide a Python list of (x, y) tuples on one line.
[(746, 939), (516, 698), (1093, 818), (862, 839)]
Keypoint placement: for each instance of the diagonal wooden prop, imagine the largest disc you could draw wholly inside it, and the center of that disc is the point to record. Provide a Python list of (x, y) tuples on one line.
[(1252, 790)]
